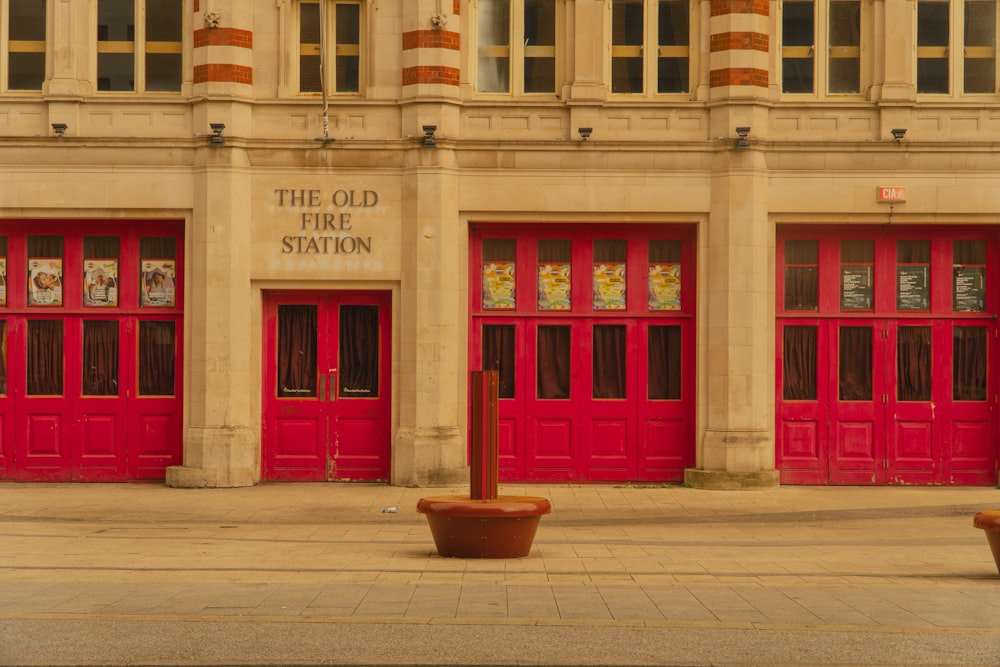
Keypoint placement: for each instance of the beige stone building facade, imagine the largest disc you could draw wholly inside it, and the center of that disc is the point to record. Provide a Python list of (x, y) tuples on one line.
[(356, 200)]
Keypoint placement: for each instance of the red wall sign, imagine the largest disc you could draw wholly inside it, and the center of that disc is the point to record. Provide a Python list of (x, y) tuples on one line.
[(891, 193)]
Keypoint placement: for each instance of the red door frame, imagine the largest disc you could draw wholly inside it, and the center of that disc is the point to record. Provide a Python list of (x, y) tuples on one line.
[(584, 438), (941, 441), (73, 437), (326, 436)]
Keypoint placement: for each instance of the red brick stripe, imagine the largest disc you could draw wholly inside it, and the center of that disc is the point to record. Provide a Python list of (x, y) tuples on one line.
[(740, 41), (723, 7), (431, 39), (223, 37), (430, 74), (223, 74), (738, 76)]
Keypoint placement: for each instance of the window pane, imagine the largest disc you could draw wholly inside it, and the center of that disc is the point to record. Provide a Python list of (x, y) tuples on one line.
[(45, 270), (539, 46), (799, 364), (359, 352), (845, 41), (969, 276), (969, 364), (627, 21), (609, 361), (980, 43), (348, 48), (158, 271), (116, 23), (499, 281), (45, 358), (798, 44), (100, 270), (855, 368), (498, 355), (494, 46), (26, 34), (554, 271), (309, 77), (913, 290), (156, 358), (674, 30), (100, 358), (856, 275), (913, 363), (296, 354), (933, 28), (664, 363), (801, 275), (553, 355)]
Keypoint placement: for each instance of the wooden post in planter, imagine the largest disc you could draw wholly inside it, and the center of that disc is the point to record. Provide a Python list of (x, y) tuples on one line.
[(484, 462), (484, 524)]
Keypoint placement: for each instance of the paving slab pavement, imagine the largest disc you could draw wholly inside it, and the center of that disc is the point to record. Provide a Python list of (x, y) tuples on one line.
[(301, 574)]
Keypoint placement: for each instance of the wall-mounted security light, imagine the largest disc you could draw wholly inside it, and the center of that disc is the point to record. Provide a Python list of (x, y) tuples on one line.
[(898, 133), (585, 132), (742, 137), (59, 129), (429, 131), (217, 129)]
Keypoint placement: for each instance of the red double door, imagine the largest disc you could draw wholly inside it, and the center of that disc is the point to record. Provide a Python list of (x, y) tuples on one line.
[(886, 401), (591, 399), (326, 391)]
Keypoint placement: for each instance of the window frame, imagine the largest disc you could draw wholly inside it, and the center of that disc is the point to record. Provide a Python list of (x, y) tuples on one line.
[(139, 48), (651, 56), (516, 52), (362, 50), (9, 47), (823, 54), (957, 57)]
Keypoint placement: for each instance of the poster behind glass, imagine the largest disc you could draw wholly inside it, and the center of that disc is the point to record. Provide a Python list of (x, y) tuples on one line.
[(498, 286), (45, 281), (609, 286), (3, 281), (856, 287), (554, 287), (157, 282), (665, 286), (969, 289), (100, 282), (913, 288)]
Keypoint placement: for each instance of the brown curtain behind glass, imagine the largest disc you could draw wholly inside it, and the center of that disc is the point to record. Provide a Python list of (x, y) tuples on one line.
[(799, 364), (498, 355), (855, 363), (100, 358), (359, 345), (913, 364), (156, 358), (297, 351), (609, 361), (969, 365), (553, 361), (664, 363), (45, 358)]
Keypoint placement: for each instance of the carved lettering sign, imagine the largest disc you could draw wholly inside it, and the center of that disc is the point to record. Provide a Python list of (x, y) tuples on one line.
[(325, 232)]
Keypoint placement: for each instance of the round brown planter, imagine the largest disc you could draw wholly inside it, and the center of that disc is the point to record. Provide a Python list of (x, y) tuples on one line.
[(498, 528), (989, 520)]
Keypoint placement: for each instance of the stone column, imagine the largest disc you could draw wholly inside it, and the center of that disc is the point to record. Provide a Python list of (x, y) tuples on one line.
[(220, 443), (737, 250)]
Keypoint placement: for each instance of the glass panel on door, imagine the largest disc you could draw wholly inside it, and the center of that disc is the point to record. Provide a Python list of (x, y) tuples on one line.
[(296, 353), (498, 355), (553, 361), (969, 364), (855, 372), (664, 363), (45, 358), (609, 361), (913, 363), (359, 352), (100, 358), (156, 358)]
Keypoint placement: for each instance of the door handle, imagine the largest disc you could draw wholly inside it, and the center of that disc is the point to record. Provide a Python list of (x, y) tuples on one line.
[(332, 393), (319, 389)]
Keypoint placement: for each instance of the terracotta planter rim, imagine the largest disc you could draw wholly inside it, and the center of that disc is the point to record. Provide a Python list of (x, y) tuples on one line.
[(987, 520), (501, 506)]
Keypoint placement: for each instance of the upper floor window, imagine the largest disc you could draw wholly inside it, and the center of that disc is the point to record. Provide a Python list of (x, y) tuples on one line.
[(516, 46), (971, 24), (650, 46), (330, 46), (25, 44), (139, 45), (821, 46)]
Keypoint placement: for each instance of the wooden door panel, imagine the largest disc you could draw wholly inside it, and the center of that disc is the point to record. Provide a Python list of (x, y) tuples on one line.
[(663, 450), (550, 449), (610, 457), (354, 457), (100, 455), (43, 453)]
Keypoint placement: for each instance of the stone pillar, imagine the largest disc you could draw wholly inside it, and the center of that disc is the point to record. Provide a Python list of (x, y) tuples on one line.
[(737, 447), (221, 447), (430, 443)]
